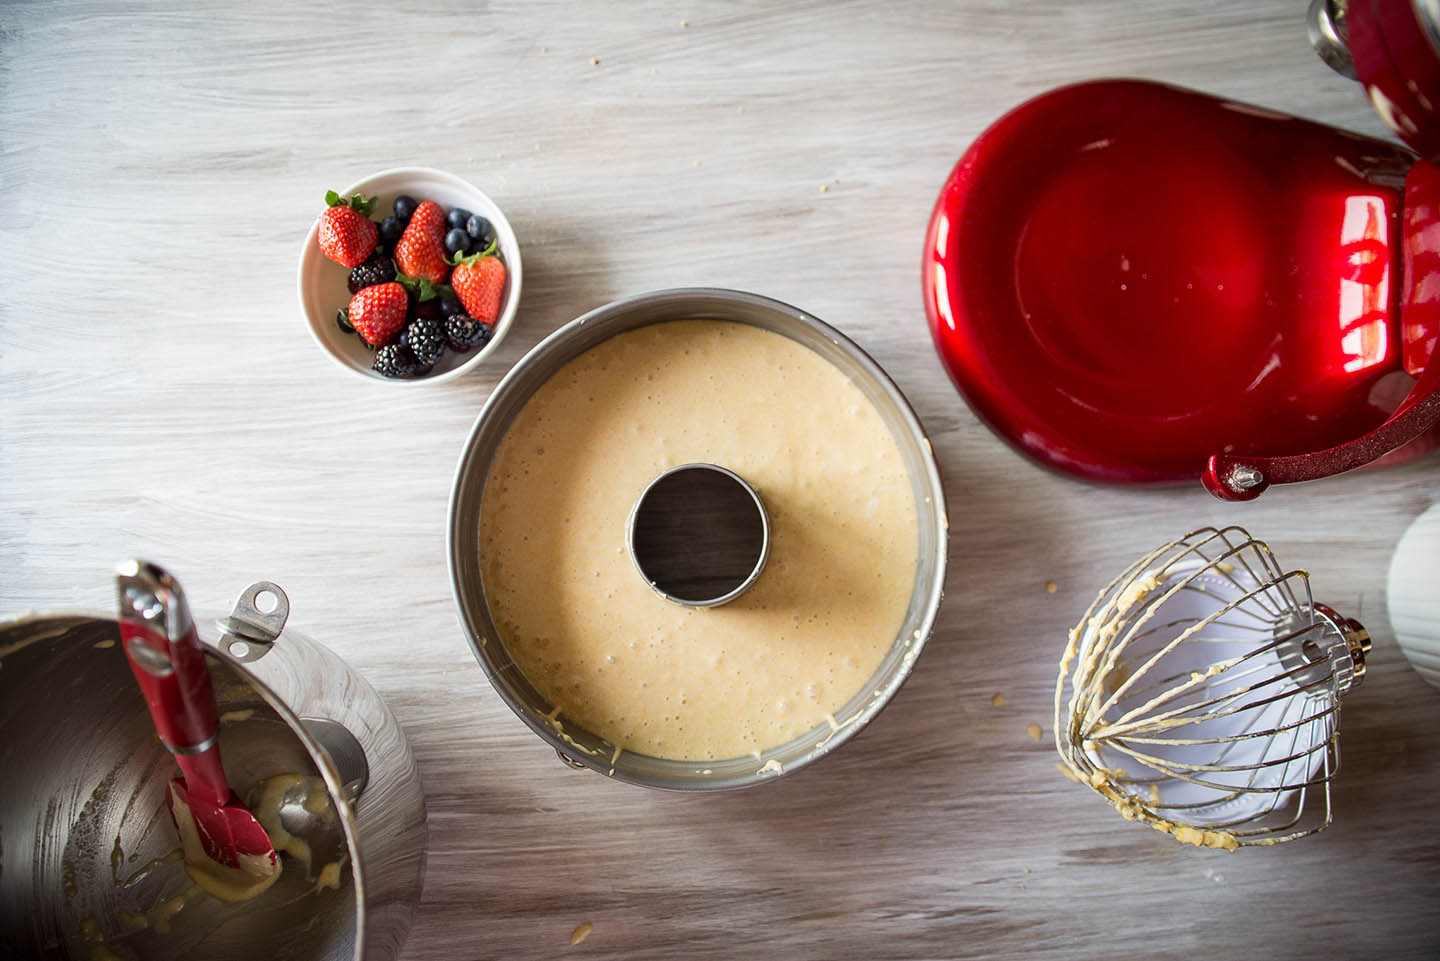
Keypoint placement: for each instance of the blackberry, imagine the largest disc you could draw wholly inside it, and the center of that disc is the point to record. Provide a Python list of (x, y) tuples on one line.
[(464, 332), (394, 361), (425, 340), (379, 269)]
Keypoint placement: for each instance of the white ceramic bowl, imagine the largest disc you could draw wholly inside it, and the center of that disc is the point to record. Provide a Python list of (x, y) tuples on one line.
[(321, 281)]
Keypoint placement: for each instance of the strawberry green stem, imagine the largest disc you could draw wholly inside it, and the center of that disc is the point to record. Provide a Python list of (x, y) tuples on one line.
[(471, 258), (422, 288), (359, 202)]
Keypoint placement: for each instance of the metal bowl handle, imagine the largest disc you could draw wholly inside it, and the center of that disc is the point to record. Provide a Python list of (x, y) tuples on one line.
[(249, 632)]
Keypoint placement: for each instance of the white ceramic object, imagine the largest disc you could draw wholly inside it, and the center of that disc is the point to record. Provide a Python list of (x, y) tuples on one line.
[(321, 282), (1414, 594)]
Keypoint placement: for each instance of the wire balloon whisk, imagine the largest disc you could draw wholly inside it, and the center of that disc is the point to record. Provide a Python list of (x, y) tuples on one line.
[(1200, 693)]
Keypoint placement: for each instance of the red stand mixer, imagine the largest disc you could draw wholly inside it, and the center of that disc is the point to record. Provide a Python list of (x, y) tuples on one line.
[(1140, 284)]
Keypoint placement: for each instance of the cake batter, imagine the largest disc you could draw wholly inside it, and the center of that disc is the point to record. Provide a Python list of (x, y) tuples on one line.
[(589, 633)]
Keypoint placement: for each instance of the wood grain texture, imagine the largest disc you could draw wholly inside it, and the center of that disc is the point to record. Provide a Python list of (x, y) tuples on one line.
[(159, 395)]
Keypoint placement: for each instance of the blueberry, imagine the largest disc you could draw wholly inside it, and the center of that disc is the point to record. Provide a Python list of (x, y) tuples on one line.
[(456, 240), (405, 207), (390, 230), (450, 306), (479, 228), (457, 217)]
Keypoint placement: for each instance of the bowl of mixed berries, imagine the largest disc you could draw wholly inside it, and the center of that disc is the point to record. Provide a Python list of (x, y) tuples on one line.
[(409, 275)]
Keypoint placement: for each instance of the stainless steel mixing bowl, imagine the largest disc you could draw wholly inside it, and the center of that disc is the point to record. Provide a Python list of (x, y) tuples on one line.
[(86, 842), (578, 747)]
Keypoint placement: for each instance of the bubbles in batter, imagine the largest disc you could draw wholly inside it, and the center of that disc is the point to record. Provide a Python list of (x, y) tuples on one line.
[(686, 683)]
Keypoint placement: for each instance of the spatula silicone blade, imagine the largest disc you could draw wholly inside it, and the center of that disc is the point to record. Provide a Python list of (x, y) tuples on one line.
[(158, 635)]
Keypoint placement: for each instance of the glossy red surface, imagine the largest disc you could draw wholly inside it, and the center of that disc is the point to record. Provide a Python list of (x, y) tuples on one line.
[(1125, 278), (1399, 67), (1420, 267), (1236, 477), (1414, 428)]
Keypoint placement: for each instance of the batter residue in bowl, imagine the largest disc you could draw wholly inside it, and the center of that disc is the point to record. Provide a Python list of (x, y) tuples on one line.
[(687, 683)]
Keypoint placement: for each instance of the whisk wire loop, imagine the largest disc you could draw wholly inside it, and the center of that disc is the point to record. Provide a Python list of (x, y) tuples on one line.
[(1210, 670)]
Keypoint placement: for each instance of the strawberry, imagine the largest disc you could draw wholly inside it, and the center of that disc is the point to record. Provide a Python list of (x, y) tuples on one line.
[(377, 313), (479, 282), (347, 234), (420, 251)]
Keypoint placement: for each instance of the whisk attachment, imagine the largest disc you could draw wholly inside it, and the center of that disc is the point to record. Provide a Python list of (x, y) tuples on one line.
[(1200, 693)]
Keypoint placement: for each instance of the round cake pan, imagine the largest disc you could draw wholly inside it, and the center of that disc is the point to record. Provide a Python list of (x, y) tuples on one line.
[(578, 747)]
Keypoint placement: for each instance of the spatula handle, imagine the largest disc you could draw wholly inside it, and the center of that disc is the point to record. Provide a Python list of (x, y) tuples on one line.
[(158, 635)]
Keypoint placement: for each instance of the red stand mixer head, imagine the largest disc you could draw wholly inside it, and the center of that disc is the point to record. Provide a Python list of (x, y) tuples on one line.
[(1140, 284)]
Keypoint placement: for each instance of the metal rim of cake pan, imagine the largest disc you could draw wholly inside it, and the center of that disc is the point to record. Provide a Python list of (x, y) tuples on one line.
[(761, 555), (580, 748)]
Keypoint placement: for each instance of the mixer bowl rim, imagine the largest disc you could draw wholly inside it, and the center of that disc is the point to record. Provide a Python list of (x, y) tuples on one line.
[(207, 623)]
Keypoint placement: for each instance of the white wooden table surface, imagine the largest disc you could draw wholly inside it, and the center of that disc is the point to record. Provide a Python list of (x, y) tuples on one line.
[(159, 395)]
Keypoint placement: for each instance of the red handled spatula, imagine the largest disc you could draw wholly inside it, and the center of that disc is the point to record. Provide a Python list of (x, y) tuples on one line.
[(160, 642)]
